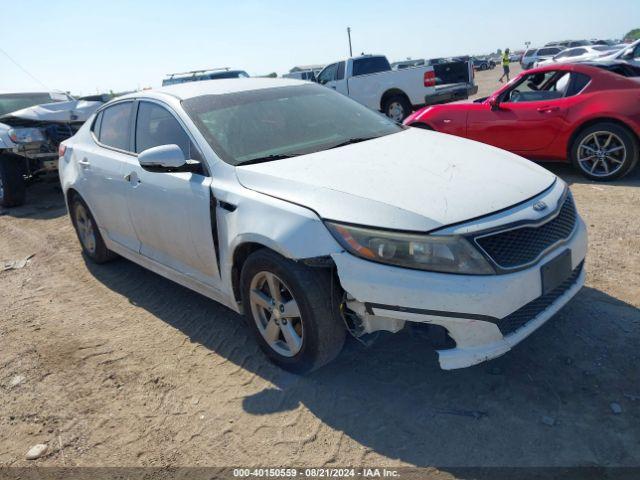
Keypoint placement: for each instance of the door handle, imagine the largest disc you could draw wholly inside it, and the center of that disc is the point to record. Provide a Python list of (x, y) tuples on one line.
[(548, 109), (84, 162), (132, 176)]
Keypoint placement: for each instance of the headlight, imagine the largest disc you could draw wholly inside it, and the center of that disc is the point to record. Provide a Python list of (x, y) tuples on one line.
[(26, 135), (438, 253)]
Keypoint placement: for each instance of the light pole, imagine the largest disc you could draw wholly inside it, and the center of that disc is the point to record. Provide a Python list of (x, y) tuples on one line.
[(349, 35)]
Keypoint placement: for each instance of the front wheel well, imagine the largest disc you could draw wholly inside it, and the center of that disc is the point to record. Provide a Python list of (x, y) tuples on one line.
[(71, 194), (240, 255), (594, 121), (392, 93)]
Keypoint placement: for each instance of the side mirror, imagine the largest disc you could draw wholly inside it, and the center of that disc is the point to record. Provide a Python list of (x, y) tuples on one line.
[(494, 103), (163, 157)]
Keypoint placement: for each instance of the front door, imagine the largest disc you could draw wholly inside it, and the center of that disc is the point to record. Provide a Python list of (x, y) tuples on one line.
[(171, 212), (528, 116)]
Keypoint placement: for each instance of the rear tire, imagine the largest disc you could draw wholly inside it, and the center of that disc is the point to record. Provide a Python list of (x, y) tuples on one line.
[(88, 232), (13, 188), (604, 151), (301, 338), (397, 107)]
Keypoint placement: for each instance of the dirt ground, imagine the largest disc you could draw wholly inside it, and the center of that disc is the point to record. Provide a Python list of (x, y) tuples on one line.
[(113, 365)]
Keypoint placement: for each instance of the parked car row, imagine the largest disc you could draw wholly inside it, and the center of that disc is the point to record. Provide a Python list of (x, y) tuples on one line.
[(319, 218), (577, 51)]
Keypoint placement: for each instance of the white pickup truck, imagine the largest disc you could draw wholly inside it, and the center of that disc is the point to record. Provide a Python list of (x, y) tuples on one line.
[(369, 80)]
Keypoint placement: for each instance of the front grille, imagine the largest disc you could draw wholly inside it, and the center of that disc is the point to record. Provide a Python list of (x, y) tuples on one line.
[(521, 246), (531, 310)]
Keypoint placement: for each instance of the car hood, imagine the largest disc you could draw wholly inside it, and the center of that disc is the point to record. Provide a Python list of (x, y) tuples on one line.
[(413, 180), (71, 111)]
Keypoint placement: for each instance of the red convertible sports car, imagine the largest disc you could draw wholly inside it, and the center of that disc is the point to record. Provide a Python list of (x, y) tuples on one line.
[(582, 113)]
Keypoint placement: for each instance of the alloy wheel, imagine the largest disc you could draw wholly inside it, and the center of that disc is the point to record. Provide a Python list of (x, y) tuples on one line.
[(86, 232), (276, 313), (601, 154)]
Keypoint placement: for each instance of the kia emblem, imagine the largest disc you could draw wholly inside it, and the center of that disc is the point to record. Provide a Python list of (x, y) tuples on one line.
[(539, 206)]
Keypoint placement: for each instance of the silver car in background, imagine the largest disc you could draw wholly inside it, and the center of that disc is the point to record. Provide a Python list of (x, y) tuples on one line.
[(533, 55)]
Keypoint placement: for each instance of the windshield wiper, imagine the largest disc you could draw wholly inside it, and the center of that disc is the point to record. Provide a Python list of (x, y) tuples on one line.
[(267, 158), (351, 141)]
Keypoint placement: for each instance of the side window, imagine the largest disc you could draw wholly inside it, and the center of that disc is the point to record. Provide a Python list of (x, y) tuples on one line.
[(156, 126), (532, 88), (367, 65), (340, 73), (328, 74), (96, 125), (115, 126), (578, 51), (578, 82)]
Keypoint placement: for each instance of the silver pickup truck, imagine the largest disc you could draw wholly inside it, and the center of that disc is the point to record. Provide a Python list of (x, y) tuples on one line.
[(370, 80)]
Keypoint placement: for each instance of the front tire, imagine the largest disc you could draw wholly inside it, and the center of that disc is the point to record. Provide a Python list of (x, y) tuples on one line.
[(88, 233), (397, 107), (604, 151), (13, 188), (293, 311)]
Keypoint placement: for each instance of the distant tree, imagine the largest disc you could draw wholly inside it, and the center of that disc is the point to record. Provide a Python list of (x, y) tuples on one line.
[(633, 35), (499, 52)]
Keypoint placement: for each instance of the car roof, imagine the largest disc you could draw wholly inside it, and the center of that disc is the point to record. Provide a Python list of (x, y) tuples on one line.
[(184, 91), (566, 67), (601, 74)]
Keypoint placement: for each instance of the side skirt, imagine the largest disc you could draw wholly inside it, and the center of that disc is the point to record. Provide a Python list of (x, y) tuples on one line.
[(172, 275)]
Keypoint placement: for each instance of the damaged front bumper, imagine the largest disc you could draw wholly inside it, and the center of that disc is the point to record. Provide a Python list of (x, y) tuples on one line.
[(486, 315)]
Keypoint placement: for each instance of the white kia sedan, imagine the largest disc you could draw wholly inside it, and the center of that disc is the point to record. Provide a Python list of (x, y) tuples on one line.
[(317, 218)]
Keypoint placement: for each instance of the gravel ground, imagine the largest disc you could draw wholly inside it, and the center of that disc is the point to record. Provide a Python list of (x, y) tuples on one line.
[(113, 365)]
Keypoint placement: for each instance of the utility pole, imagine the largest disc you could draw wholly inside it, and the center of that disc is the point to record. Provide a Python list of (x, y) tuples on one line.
[(349, 35)]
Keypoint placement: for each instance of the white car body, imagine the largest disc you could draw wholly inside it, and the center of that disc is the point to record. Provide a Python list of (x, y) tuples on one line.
[(577, 54), (397, 92), (414, 180), (629, 53), (370, 89)]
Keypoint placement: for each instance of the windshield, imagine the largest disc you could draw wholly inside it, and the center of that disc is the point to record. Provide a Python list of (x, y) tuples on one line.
[(273, 123), (11, 102)]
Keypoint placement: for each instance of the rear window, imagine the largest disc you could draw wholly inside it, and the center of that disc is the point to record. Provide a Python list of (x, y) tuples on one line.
[(548, 51), (116, 125), (367, 65)]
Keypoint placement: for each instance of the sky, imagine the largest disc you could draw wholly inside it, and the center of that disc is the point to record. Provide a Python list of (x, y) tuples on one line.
[(87, 46)]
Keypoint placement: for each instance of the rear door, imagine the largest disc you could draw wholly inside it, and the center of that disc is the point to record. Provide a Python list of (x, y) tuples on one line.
[(171, 212), (102, 164)]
